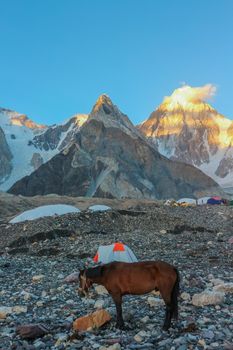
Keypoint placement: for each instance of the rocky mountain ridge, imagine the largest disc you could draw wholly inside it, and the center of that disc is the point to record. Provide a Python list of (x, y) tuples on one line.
[(109, 157)]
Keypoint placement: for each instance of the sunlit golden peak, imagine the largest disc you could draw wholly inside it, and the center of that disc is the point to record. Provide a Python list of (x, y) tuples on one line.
[(189, 97), (80, 119), (102, 100), (23, 120)]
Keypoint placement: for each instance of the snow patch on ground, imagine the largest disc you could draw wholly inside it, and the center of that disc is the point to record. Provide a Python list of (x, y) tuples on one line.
[(99, 207), (45, 210)]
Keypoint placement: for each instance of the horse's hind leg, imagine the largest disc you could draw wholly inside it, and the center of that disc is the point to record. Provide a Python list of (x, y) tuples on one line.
[(118, 302), (166, 295), (168, 317)]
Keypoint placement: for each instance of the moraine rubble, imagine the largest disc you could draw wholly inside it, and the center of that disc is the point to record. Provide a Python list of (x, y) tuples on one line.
[(37, 256)]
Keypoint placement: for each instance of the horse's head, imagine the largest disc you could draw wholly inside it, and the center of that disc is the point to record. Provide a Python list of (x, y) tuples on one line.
[(84, 283)]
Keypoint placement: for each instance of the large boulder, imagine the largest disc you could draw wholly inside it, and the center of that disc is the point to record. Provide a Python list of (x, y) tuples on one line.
[(208, 298), (4, 311), (31, 331), (72, 278), (224, 287), (92, 321)]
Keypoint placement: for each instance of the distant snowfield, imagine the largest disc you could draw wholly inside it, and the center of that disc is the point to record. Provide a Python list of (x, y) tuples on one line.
[(99, 207), (210, 168), (45, 210), (19, 138)]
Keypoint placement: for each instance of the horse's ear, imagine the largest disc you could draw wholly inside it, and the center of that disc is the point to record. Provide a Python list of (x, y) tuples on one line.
[(101, 270), (94, 272), (81, 272)]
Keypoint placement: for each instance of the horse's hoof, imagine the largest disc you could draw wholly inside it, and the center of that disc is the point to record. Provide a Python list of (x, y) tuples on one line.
[(124, 328), (166, 328), (128, 328), (120, 326)]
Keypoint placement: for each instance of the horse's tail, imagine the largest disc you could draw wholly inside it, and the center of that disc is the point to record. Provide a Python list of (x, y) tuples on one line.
[(174, 296)]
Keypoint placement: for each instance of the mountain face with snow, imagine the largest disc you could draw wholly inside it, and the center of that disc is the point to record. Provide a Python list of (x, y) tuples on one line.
[(187, 129), (5, 157), (109, 157), (25, 145)]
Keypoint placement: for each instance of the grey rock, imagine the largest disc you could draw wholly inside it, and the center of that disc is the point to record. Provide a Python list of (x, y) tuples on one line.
[(208, 334), (182, 347)]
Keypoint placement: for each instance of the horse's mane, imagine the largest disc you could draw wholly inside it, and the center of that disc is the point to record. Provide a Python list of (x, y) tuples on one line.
[(94, 272)]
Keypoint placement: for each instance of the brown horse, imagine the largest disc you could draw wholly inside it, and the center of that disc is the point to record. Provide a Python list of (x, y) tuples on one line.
[(120, 278)]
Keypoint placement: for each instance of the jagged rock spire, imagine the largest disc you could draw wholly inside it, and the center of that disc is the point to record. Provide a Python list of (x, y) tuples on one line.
[(104, 104)]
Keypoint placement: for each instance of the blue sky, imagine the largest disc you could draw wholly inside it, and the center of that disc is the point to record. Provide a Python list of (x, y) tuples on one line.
[(58, 56)]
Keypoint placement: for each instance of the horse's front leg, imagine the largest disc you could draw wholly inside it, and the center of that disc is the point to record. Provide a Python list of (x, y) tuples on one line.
[(117, 298)]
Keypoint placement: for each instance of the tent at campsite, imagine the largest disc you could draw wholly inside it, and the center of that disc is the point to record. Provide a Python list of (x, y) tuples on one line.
[(114, 252), (186, 201), (215, 200), (203, 200), (99, 207)]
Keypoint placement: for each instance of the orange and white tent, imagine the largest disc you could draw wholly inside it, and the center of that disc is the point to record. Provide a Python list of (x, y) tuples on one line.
[(114, 252)]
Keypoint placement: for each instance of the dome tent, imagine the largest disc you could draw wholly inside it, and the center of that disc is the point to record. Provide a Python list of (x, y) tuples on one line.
[(215, 200), (186, 200), (203, 200), (114, 252), (99, 207)]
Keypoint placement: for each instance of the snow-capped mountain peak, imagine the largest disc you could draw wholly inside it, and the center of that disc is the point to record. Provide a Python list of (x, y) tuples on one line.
[(103, 102), (26, 145), (189, 98), (80, 119), (109, 157), (188, 129), (9, 117), (106, 112)]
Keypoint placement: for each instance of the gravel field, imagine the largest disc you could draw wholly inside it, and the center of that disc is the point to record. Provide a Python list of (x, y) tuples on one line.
[(197, 240)]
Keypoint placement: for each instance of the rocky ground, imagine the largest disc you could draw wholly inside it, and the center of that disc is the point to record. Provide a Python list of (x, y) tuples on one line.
[(37, 256)]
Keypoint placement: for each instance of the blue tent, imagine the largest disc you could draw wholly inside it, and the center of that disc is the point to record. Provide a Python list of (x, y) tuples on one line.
[(215, 200)]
